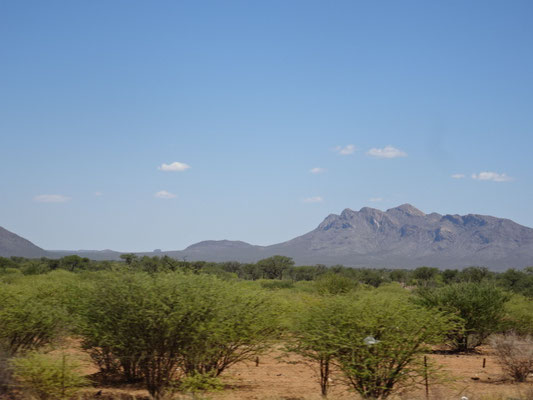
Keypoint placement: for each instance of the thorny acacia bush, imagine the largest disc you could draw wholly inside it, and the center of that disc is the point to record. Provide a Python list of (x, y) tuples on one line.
[(519, 315), (162, 326), (48, 376), (314, 334), (481, 307), (332, 284), (333, 331), (515, 354), (31, 314)]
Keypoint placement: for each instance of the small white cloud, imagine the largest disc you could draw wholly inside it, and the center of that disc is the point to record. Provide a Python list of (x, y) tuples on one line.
[(98, 194), (345, 150), (375, 199), (173, 167), (458, 176), (386, 152), (315, 199), (163, 194), (51, 198), (317, 170), (492, 176)]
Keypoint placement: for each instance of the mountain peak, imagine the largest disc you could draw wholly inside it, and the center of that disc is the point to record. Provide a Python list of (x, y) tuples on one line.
[(14, 245), (370, 210), (408, 209), (347, 212)]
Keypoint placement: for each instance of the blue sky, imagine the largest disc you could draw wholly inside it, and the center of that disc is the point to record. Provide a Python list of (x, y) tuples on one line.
[(389, 99)]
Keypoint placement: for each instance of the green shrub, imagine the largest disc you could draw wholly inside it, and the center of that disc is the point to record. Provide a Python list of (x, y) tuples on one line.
[(200, 382), (376, 340), (31, 315), (48, 377), (519, 315), (163, 325), (480, 306), (272, 284), (333, 284), (314, 334), (381, 342)]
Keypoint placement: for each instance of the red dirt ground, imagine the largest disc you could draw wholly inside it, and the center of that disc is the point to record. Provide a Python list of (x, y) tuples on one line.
[(276, 379)]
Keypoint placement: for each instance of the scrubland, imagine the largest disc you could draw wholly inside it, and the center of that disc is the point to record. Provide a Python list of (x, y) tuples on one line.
[(157, 328)]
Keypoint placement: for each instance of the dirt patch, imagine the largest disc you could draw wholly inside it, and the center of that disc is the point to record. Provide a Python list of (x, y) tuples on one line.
[(277, 378)]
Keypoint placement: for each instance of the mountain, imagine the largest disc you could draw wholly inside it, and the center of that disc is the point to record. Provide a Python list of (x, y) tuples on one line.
[(14, 245), (97, 255), (406, 237), (402, 237), (399, 237)]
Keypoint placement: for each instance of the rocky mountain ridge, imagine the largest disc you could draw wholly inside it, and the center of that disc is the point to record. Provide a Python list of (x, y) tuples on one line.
[(398, 237)]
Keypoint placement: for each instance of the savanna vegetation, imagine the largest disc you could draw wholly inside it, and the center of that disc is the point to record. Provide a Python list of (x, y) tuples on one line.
[(174, 326)]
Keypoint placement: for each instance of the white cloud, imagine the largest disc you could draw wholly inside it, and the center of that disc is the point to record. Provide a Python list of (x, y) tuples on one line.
[(51, 198), (98, 194), (315, 199), (492, 176), (345, 150), (317, 170), (458, 176), (386, 152), (163, 194), (375, 199), (175, 166)]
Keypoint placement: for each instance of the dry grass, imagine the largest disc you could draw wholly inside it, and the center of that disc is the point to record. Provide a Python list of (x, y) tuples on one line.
[(515, 354)]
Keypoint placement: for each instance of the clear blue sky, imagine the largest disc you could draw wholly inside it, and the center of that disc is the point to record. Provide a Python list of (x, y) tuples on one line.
[(95, 96)]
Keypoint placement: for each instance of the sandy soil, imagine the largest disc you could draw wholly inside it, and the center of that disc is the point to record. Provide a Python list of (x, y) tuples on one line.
[(277, 379)]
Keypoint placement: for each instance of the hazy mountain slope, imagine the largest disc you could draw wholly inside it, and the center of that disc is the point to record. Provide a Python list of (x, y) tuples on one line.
[(399, 237), (98, 255), (14, 245)]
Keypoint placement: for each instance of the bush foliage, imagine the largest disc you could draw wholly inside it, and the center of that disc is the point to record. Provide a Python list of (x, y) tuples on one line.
[(48, 377), (480, 306), (177, 325), (159, 327)]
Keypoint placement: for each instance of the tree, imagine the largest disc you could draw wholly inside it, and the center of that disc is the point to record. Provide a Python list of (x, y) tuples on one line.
[(517, 281), (449, 276), (274, 266), (518, 315), (251, 272), (425, 276), (376, 340), (399, 275), (481, 307), (313, 335), (473, 274), (74, 262), (129, 258)]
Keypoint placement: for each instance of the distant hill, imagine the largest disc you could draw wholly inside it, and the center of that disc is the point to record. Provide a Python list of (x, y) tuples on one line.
[(98, 255), (14, 245), (399, 237)]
